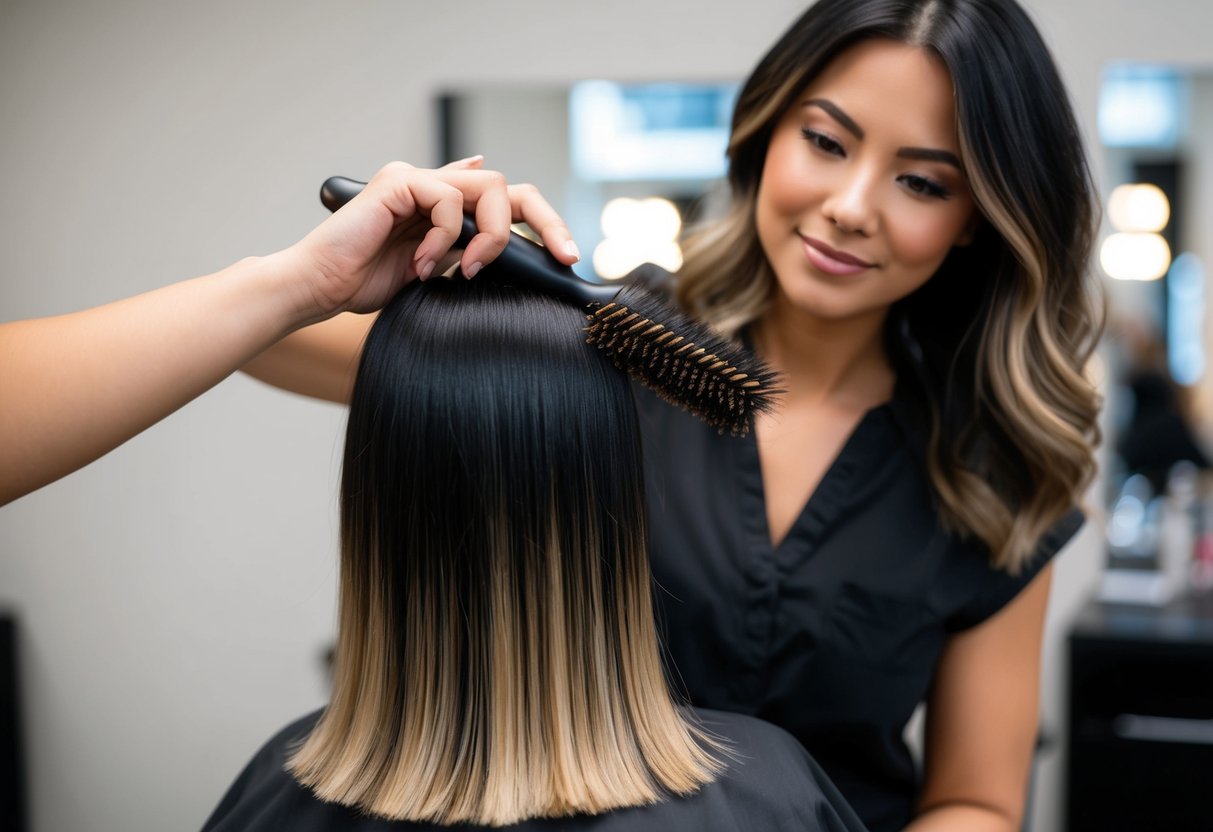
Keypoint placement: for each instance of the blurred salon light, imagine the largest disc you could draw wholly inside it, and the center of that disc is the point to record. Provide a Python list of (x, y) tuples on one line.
[(1140, 106), (667, 255), (1127, 517), (1135, 256), (613, 258), (1186, 319), (659, 131), (638, 231), (653, 220), (662, 222), (621, 218), (1138, 208)]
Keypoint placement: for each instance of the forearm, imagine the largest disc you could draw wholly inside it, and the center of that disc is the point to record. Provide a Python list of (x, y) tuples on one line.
[(319, 361), (74, 387), (982, 719), (963, 817)]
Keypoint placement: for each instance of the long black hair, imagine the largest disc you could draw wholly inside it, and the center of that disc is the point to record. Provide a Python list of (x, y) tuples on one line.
[(497, 657)]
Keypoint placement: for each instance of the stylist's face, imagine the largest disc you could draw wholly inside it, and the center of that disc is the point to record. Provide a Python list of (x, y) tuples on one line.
[(862, 194)]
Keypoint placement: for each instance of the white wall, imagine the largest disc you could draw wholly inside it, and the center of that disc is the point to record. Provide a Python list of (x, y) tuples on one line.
[(175, 594)]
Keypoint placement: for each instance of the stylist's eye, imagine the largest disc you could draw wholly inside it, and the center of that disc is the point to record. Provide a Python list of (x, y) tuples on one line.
[(823, 142), (922, 186)]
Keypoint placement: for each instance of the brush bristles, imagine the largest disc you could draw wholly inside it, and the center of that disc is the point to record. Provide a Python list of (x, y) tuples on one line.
[(683, 361)]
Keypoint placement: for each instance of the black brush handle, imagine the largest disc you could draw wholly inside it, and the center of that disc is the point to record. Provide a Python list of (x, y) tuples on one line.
[(522, 263)]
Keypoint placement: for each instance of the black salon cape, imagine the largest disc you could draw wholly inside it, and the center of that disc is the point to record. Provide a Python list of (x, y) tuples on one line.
[(774, 786), (834, 635)]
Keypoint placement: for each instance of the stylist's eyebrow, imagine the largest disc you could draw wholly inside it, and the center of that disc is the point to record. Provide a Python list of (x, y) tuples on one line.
[(837, 114), (924, 154)]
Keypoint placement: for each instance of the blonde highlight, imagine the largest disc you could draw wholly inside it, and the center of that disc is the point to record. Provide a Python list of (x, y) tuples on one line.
[(1029, 379)]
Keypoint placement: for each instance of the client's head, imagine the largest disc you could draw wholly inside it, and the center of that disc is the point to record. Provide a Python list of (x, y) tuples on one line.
[(497, 657)]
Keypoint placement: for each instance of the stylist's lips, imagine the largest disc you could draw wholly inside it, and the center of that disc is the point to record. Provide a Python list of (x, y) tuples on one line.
[(832, 261)]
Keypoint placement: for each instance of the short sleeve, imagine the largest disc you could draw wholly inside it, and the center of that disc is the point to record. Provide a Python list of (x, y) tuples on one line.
[(997, 588)]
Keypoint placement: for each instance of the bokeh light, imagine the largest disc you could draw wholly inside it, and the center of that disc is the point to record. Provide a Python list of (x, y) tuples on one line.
[(1138, 208), (1135, 256)]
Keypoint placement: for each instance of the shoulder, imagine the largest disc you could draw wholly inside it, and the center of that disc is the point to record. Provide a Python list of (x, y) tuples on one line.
[(770, 784), (965, 585), (992, 589), (264, 792), (772, 779)]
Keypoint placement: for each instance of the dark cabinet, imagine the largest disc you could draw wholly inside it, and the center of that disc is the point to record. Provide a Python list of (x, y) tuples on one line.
[(1141, 717)]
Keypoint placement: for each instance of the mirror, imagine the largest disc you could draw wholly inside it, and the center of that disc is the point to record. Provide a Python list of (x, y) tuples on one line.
[(601, 152), (1154, 250), (625, 164)]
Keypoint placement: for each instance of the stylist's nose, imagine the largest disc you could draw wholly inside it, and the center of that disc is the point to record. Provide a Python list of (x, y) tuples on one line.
[(851, 205)]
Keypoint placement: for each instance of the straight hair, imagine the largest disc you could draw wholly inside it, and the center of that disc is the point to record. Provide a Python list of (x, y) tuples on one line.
[(497, 656)]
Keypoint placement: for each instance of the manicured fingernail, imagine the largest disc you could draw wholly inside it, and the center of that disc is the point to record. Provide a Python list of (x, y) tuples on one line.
[(570, 248), (473, 269), (424, 270), (475, 158)]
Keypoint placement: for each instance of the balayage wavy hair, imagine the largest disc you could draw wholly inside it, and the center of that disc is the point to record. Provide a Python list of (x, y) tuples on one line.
[(497, 656), (997, 341)]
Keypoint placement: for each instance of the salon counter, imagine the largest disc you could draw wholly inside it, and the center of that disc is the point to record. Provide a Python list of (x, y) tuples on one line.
[(1141, 717)]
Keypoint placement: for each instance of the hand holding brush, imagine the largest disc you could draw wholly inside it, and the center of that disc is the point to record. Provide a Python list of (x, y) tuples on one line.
[(683, 361)]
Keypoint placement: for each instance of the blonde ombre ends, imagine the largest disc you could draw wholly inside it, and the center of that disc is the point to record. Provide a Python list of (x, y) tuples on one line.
[(497, 656), (995, 345)]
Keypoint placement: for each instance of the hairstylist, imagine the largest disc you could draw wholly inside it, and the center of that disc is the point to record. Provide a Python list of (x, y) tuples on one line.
[(76, 386), (912, 219)]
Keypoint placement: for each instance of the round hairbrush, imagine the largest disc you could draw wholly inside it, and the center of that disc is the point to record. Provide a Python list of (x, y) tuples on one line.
[(681, 360)]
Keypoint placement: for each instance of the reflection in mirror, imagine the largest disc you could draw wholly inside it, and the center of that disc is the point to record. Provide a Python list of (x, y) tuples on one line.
[(626, 165), (1155, 249), (629, 165)]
